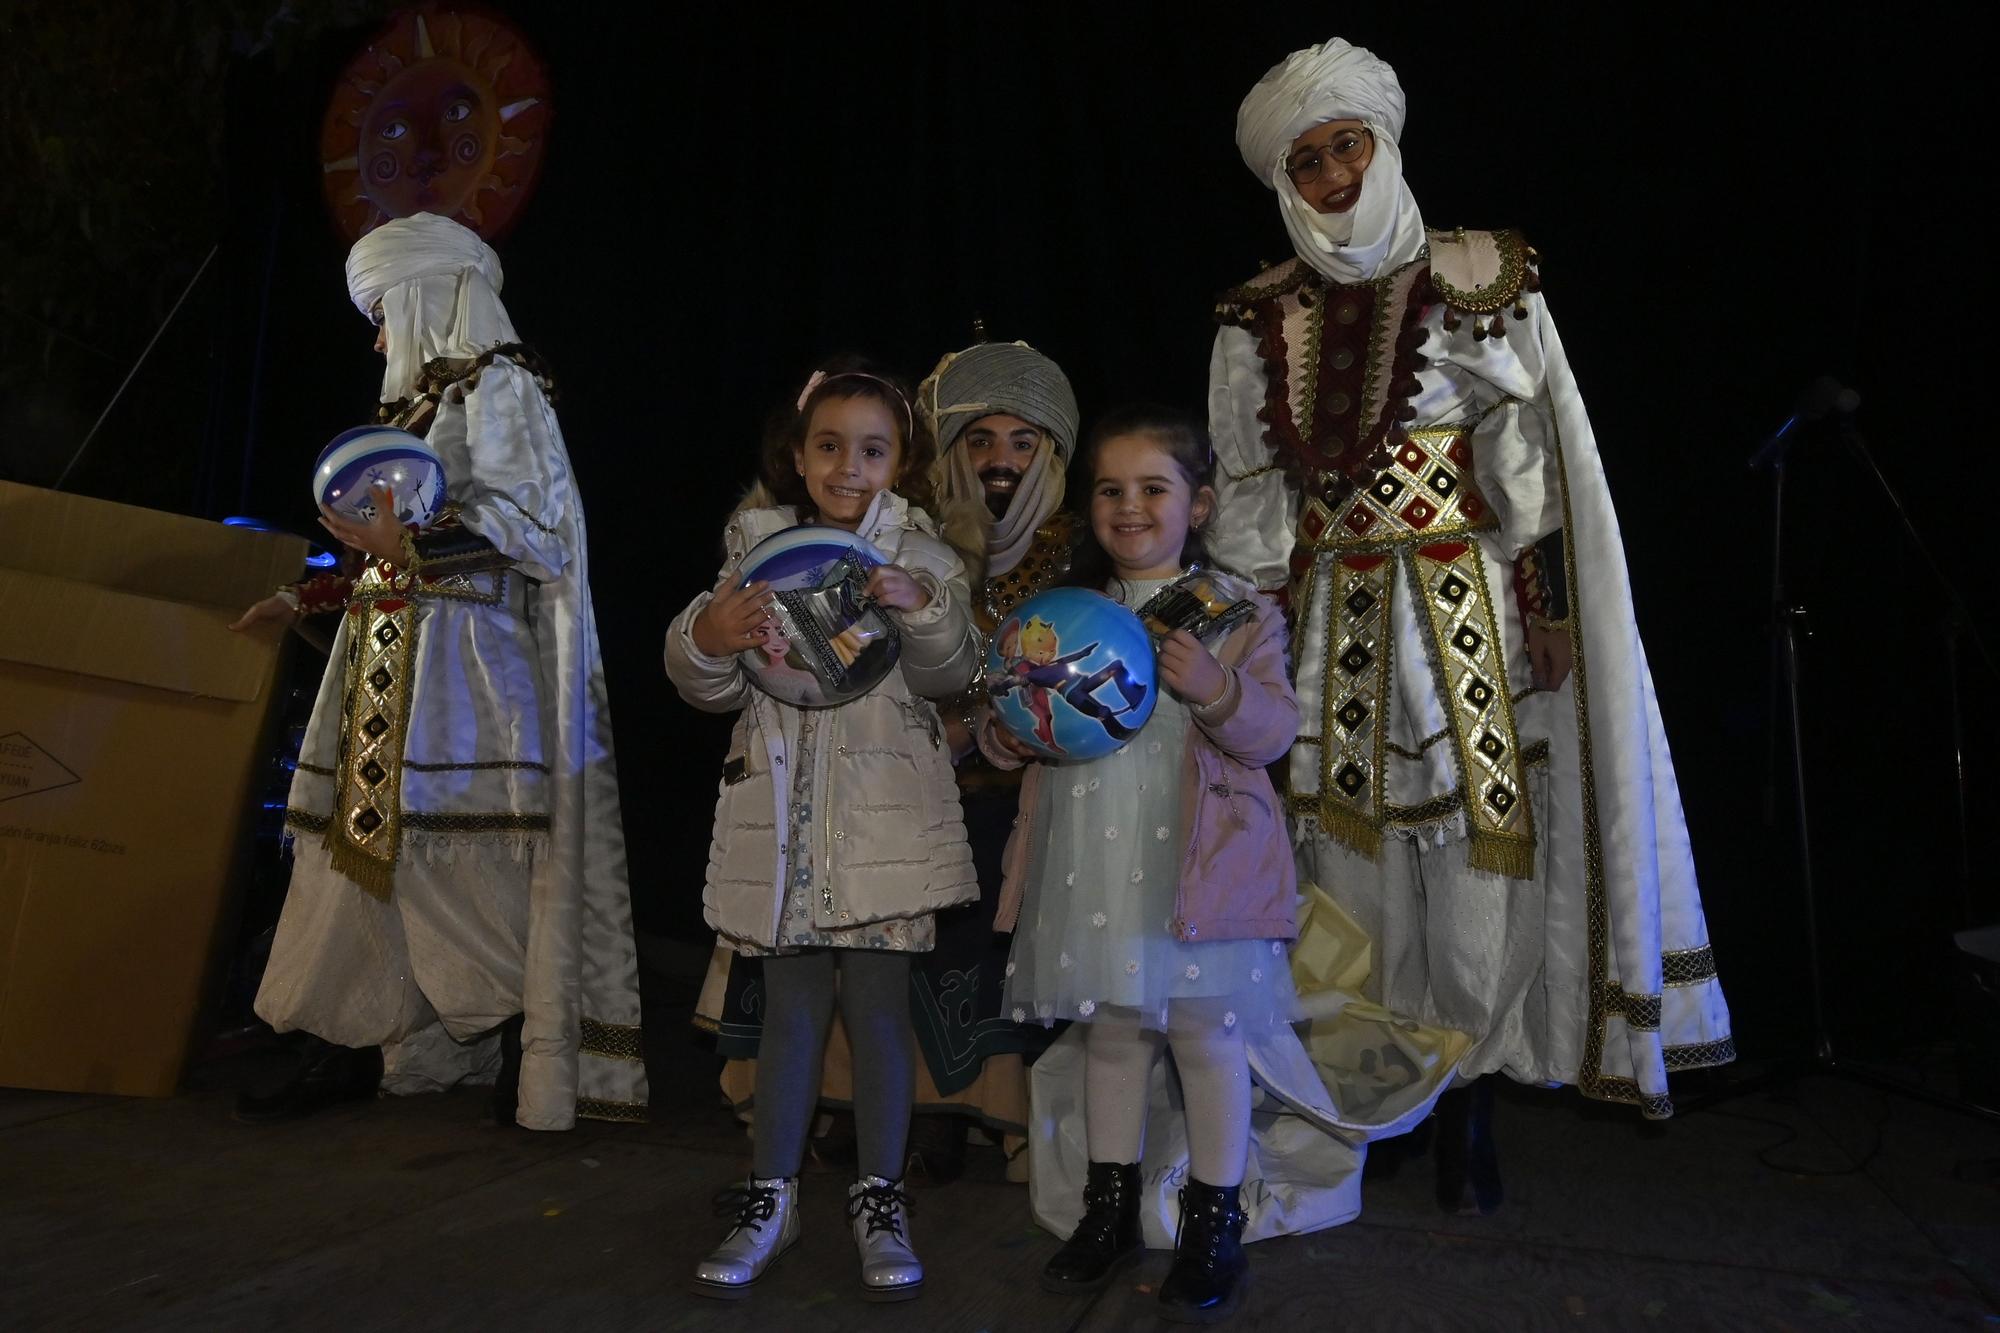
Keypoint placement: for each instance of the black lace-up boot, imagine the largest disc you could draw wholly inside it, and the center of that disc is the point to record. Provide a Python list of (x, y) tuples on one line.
[(1107, 1238), (1210, 1275)]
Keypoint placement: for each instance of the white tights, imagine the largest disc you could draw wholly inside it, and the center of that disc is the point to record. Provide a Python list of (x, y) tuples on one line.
[(1215, 1087)]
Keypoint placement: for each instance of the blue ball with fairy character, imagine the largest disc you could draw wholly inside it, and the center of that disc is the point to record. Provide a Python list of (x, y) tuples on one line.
[(1071, 674)]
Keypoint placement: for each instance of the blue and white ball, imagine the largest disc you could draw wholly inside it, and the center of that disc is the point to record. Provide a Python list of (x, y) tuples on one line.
[(356, 459), (826, 642), (1071, 674)]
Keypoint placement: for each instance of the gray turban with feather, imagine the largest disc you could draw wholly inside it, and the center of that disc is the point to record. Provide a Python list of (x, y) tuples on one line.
[(1000, 377)]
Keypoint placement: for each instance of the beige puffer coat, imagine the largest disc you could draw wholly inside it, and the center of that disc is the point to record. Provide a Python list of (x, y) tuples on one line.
[(887, 837)]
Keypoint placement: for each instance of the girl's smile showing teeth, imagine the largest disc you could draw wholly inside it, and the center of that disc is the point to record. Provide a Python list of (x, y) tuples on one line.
[(1141, 507), (851, 453)]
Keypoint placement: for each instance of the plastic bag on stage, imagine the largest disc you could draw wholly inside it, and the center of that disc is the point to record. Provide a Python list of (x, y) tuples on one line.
[(1350, 1072)]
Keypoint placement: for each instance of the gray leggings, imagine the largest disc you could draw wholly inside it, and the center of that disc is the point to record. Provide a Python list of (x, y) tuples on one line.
[(798, 1006)]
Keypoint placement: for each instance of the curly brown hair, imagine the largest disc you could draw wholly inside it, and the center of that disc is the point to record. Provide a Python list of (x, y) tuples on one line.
[(843, 378)]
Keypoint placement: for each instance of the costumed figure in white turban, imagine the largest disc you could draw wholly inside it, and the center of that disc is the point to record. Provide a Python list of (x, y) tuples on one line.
[(458, 892), (1005, 419), (1481, 784)]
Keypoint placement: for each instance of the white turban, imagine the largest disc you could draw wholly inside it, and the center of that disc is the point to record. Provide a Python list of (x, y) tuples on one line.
[(439, 288), (1335, 81)]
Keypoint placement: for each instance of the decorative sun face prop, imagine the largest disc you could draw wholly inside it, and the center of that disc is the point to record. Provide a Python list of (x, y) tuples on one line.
[(446, 111)]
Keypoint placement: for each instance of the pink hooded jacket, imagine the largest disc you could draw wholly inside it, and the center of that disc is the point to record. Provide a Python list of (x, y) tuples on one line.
[(1237, 877)]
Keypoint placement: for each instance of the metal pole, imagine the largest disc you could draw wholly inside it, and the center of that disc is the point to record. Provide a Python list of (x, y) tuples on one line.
[(186, 291)]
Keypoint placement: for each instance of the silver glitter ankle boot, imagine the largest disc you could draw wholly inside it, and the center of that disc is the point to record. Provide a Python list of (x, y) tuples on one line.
[(880, 1211), (764, 1223)]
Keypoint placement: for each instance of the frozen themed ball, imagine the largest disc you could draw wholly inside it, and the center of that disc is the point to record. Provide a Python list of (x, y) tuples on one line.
[(827, 642), (349, 467), (1071, 674)]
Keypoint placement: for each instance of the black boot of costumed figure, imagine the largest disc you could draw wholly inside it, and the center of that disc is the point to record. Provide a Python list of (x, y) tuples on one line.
[(1107, 1238), (507, 1085), (1210, 1274), (1468, 1163), (321, 1075)]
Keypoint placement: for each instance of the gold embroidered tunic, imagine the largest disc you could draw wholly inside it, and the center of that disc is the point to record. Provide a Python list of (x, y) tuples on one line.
[(1389, 451)]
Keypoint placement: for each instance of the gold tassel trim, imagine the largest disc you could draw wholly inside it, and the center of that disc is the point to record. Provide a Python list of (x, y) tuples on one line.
[(1350, 828), (1512, 857), (371, 874)]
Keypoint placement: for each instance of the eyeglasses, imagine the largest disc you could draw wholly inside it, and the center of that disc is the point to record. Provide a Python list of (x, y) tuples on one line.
[(1347, 148)]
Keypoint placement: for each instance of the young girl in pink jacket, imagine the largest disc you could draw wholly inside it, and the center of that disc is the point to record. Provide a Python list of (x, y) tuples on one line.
[(1151, 891)]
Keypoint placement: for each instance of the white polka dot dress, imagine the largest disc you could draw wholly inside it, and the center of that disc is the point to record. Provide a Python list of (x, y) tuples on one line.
[(1102, 883)]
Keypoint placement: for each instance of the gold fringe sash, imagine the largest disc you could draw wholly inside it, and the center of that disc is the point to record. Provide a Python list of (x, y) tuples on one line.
[(365, 835), (1355, 697), (1462, 636)]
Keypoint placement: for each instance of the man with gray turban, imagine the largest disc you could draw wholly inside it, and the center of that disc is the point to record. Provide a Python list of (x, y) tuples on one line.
[(458, 891), (1484, 784), (1006, 424), (1006, 421)]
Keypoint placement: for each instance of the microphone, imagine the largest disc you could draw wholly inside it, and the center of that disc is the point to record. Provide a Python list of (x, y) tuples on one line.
[(1825, 394)]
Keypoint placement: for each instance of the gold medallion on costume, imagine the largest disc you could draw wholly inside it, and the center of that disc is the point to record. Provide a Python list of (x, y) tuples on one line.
[(1047, 559)]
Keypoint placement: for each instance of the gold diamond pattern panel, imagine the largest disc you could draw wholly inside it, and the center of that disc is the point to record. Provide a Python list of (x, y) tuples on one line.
[(1427, 492), (1355, 701), (367, 827), (1463, 637), (1420, 511)]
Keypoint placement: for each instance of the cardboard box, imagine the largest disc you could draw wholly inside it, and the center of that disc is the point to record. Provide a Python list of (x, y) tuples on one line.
[(133, 730)]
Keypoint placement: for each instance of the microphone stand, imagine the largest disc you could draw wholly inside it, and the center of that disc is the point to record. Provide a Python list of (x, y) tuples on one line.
[(1789, 627)]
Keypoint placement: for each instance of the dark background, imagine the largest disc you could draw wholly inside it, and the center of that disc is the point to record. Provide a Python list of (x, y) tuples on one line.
[(1724, 210)]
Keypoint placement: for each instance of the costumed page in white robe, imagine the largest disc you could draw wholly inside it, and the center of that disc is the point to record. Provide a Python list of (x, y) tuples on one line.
[(478, 870)]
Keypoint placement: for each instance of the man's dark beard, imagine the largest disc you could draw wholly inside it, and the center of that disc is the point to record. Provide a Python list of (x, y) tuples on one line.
[(998, 502)]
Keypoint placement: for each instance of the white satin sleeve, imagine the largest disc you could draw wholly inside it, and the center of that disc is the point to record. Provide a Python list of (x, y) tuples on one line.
[(1256, 513), (518, 492), (1513, 456)]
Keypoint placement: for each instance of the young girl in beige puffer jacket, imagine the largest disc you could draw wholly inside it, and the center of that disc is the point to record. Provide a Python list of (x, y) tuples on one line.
[(837, 831)]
